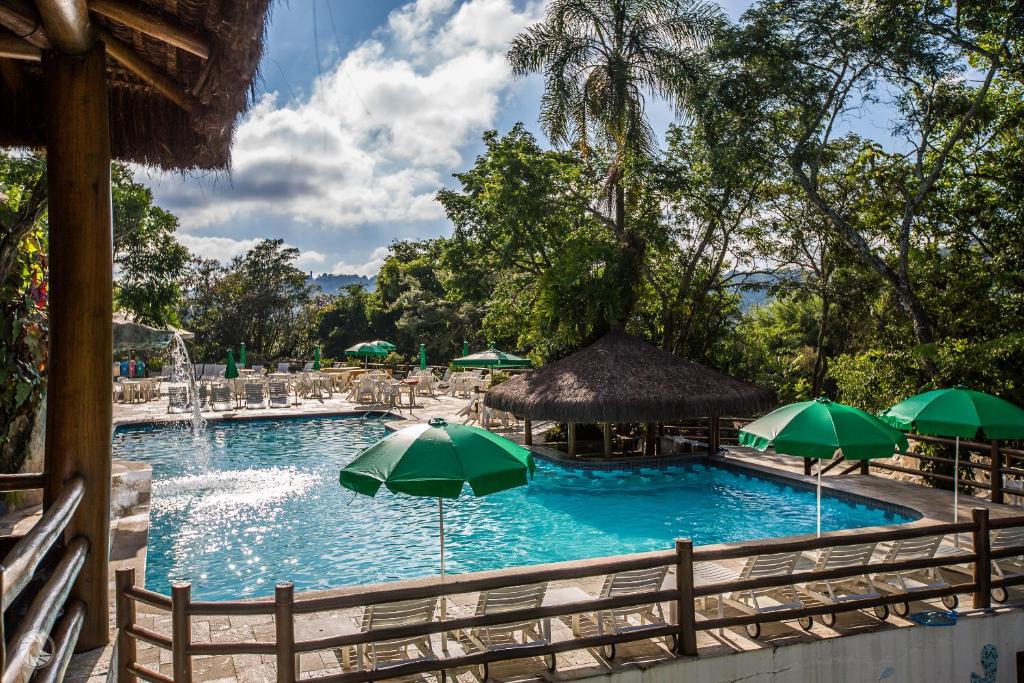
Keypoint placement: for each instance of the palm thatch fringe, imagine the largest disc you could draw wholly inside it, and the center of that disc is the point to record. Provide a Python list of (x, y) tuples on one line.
[(621, 378)]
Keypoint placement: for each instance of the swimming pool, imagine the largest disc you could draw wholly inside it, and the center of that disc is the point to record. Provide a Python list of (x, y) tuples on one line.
[(259, 502)]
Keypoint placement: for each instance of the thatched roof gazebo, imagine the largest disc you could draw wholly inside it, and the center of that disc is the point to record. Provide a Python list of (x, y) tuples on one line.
[(158, 82), (623, 379)]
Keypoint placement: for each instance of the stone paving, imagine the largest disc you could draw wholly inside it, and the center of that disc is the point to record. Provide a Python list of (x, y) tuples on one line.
[(129, 550)]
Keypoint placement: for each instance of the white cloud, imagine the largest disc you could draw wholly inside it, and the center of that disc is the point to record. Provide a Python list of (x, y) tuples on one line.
[(310, 259), (220, 248), (379, 134), (370, 268)]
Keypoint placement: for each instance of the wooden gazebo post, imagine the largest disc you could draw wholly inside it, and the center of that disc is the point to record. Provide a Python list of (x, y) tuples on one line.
[(607, 428), (571, 426), (79, 407)]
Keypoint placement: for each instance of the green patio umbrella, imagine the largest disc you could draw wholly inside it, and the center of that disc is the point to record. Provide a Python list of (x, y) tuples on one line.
[(955, 413), (366, 350), (436, 460), (820, 428), (423, 356), (316, 357), (231, 372), (386, 345), (241, 354), (465, 347), (493, 358)]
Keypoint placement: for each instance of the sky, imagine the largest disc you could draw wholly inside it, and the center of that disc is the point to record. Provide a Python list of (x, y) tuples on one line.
[(365, 108)]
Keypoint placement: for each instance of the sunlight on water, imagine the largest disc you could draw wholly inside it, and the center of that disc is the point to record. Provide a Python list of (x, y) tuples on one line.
[(269, 508)]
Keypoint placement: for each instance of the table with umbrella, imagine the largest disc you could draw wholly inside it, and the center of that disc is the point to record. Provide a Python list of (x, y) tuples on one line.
[(366, 351), (492, 359)]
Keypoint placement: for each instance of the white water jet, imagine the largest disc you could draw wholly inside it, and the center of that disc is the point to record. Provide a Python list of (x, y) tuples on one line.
[(183, 372)]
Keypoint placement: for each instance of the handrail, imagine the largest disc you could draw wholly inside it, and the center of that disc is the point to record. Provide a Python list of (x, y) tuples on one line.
[(24, 558), (728, 551), (64, 639), (358, 596), (43, 611), (22, 481)]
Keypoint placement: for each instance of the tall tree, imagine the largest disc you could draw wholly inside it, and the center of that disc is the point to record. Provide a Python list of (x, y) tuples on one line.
[(600, 60)]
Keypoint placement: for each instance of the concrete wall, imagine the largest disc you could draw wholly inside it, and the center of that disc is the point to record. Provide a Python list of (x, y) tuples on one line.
[(928, 654)]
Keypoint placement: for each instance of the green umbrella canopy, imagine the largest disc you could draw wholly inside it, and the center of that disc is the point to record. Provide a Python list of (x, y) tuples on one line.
[(492, 358), (423, 356), (436, 459), (386, 345), (957, 412), (817, 429), (316, 358), (231, 371), (365, 349), (241, 354), (465, 347)]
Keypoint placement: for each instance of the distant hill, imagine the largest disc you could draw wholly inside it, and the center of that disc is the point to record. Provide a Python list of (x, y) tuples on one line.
[(754, 292), (332, 284)]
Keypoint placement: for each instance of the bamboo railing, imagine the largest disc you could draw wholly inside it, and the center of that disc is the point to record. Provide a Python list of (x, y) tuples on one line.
[(40, 556), (679, 592)]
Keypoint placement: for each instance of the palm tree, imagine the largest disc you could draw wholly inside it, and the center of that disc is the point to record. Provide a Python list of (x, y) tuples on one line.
[(600, 60)]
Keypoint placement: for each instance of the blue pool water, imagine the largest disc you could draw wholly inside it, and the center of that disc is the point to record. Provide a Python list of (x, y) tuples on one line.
[(260, 502)]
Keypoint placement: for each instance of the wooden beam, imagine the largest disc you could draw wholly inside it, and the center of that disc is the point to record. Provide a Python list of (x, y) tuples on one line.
[(162, 29), (527, 432), (571, 427), (67, 25), (138, 65), (79, 410), (607, 429), (22, 19), (13, 47)]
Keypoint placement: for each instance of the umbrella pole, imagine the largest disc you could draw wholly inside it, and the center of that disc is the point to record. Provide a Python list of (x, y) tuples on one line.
[(440, 511), (956, 489), (819, 499)]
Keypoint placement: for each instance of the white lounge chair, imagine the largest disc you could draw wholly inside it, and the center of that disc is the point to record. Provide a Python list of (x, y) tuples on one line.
[(220, 397), (503, 636), (618, 620), (254, 397), (838, 591), (394, 652), (1009, 566), (278, 392), (757, 600), (913, 580), (365, 390), (177, 399)]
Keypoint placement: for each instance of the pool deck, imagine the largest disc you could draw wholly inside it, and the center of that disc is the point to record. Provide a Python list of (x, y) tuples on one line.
[(129, 544)]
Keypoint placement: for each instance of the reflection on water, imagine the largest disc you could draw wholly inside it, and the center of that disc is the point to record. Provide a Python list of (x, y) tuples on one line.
[(269, 507)]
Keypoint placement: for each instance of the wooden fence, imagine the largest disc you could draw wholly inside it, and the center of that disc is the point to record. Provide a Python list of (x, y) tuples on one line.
[(40, 559), (680, 591)]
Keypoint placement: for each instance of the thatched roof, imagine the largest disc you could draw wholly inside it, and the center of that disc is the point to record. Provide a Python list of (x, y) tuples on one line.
[(147, 125), (621, 378)]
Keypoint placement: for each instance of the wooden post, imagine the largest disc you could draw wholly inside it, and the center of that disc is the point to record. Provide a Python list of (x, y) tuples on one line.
[(686, 639), (181, 632), (527, 432), (996, 472), (982, 565), (3, 633), (607, 429), (865, 467), (714, 438), (807, 467), (126, 650), (79, 408), (572, 439), (284, 596)]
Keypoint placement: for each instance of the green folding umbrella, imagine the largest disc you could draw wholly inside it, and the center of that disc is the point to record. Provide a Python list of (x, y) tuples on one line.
[(465, 347), (241, 354), (423, 356), (493, 358), (957, 413), (231, 372), (819, 429), (366, 350), (386, 345), (316, 357), (436, 460)]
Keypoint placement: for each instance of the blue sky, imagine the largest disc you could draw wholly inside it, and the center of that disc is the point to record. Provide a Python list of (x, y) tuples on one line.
[(342, 157)]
